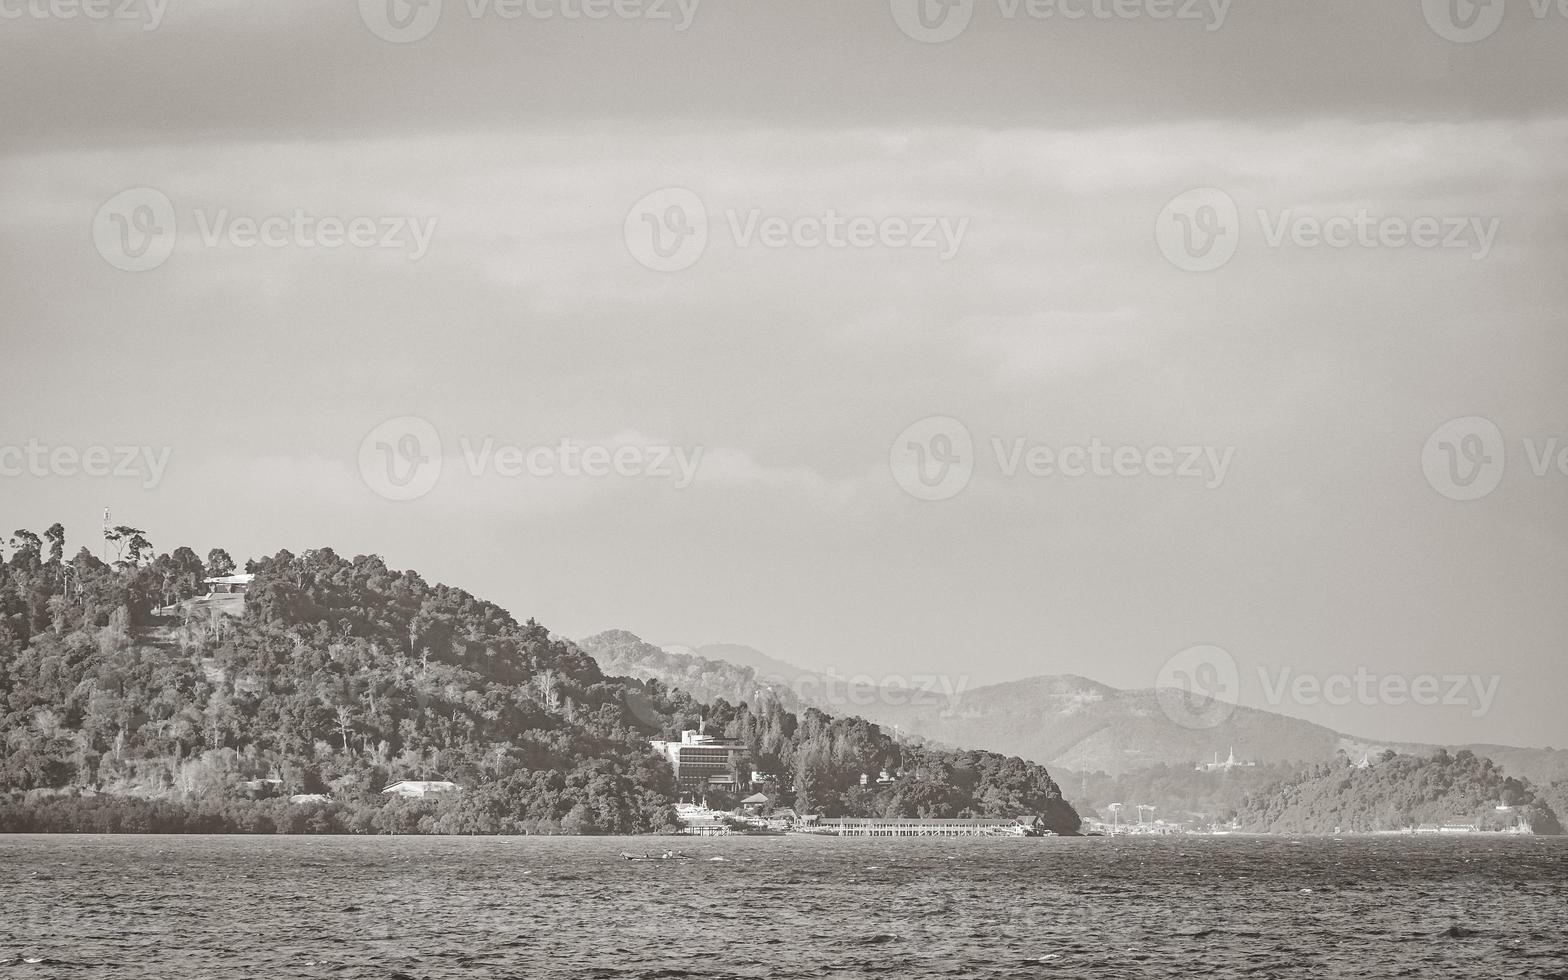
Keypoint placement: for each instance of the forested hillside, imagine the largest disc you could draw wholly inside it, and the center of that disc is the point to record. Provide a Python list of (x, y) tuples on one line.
[(345, 675), (1178, 794), (1399, 791)]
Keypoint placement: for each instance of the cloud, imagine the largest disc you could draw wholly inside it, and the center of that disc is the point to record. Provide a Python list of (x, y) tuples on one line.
[(1058, 342)]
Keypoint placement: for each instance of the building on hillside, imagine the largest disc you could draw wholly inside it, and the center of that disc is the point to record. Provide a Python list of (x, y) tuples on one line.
[(228, 584), (1226, 766), (701, 762), (421, 788), (310, 798), (225, 595)]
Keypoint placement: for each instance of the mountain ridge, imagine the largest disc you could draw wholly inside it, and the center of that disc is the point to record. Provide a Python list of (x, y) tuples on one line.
[(1069, 721)]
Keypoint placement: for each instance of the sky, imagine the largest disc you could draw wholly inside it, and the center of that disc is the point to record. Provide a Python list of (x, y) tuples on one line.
[(984, 340)]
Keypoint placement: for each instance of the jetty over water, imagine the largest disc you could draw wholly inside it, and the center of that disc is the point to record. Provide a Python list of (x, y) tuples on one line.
[(905, 827)]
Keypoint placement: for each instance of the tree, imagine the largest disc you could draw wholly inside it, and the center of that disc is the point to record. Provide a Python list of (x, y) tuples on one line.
[(345, 724), (578, 821), (28, 547), (56, 538), (128, 539), (219, 563)]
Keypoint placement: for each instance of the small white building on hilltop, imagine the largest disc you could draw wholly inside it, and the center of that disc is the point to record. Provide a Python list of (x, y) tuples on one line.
[(420, 788), (228, 584), (225, 594)]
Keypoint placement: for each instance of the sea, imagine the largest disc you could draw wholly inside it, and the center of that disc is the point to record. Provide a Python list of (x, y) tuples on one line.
[(397, 908)]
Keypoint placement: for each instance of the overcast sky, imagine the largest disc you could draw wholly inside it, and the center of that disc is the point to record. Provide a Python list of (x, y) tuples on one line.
[(506, 167)]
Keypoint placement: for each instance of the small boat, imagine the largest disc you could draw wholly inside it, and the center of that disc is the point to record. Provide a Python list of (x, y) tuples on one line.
[(666, 856)]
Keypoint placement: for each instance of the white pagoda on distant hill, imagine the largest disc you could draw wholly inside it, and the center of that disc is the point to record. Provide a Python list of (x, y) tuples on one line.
[(1226, 766)]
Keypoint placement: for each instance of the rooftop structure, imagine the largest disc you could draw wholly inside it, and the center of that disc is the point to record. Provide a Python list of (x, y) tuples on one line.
[(420, 788), (228, 584)]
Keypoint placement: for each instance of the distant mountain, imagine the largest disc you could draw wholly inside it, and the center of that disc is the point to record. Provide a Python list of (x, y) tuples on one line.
[(1074, 722), (771, 668), (1071, 722), (705, 679), (736, 674)]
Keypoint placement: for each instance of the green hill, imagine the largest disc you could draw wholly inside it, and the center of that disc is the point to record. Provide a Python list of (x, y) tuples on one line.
[(344, 676), (1396, 792)]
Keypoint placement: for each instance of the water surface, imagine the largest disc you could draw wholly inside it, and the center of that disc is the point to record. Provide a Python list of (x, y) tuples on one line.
[(781, 907)]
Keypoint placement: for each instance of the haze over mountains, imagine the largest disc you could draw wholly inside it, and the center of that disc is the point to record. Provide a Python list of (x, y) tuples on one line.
[(1065, 722)]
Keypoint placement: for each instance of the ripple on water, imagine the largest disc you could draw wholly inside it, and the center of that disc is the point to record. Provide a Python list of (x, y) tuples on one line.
[(433, 908)]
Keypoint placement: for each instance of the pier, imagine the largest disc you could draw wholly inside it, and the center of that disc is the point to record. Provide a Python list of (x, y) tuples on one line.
[(901, 827)]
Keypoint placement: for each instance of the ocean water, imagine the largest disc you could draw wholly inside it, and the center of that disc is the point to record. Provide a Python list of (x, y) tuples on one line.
[(781, 907)]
